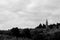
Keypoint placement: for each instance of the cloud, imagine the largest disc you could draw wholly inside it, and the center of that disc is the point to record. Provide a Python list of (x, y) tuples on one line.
[(28, 13)]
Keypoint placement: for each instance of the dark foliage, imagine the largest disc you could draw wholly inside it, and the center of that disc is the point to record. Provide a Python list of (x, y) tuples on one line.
[(15, 32), (26, 33), (39, 33), (57, 35), (40, 26), (44, 26)]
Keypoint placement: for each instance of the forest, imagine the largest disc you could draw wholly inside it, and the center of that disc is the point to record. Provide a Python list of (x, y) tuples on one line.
[(41, 32)]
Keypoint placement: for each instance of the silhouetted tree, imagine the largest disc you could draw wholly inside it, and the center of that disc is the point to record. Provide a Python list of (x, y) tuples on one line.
[(26, 33), (44, 26), (40, 26), (58, 25), (50, 26), (15, 32)]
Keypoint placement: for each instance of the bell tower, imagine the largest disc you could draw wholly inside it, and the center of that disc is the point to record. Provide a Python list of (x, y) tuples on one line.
[(46, 23)]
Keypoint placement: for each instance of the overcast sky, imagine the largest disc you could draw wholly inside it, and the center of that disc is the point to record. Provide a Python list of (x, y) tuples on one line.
[(28, 13)]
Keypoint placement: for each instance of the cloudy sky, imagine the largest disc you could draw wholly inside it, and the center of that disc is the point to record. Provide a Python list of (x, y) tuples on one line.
[(28, 13)]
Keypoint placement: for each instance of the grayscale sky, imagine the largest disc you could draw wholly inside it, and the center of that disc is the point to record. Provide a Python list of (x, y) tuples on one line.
[(28, 13)]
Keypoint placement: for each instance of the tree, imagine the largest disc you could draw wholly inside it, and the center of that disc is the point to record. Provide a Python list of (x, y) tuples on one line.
[(44, 26), (26, 33), (40, 26), (50, 26), (57, 35), (15, 32)]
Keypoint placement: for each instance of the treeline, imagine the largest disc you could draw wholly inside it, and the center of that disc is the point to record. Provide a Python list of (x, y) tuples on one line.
[(38, 33), (51, 26)]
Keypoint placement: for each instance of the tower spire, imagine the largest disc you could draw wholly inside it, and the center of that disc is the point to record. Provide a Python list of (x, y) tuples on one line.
[(46, 23)]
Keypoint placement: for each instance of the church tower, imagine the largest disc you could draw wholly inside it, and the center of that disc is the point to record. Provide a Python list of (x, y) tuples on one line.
[(46, 23)]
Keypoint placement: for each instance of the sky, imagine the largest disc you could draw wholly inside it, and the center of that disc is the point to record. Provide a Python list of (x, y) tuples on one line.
[(28, 13)]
